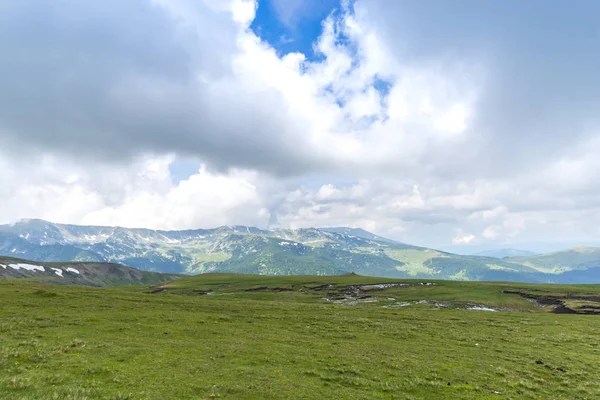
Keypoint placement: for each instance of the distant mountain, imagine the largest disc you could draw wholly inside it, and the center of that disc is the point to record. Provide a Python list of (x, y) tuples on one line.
[(576, 259), (504, 253), (357, 232), (241, 249), (79, 273)]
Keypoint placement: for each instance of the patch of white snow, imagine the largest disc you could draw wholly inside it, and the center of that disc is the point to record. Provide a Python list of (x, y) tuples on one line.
[(28, 267), (73, 270), (58, 271), (482, 308)]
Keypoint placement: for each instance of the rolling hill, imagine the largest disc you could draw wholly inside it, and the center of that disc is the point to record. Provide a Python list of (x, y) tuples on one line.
[(311, 251), (79, 273), (576, 265), (579, 258)]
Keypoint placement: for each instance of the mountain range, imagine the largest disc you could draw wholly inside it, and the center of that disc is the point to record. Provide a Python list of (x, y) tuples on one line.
[(310, 251)]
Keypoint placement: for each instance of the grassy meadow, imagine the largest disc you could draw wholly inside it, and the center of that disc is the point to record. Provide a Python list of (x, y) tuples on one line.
[(253, 337)]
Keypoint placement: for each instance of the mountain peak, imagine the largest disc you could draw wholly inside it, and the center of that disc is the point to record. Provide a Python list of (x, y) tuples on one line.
[(357, 232)]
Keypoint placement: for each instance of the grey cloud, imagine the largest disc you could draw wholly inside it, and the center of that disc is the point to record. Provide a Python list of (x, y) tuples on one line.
[(110, 80), (542, 90)]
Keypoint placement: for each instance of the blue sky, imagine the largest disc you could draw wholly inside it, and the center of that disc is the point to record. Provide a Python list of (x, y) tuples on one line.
[(292, 26)]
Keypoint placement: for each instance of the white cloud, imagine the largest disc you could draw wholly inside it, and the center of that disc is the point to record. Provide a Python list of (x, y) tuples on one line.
[(136, 195), (424, 160), (464, 239), (204, 199)]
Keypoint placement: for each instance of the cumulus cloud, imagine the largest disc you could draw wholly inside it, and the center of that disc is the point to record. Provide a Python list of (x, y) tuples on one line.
[(116, 79), (463, 239), (435, 125), (89, 81), (140, 194)]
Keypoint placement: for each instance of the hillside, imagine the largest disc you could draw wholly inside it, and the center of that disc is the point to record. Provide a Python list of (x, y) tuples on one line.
[(79, 273), (299, 337), (504, 253), (240, 249), (579, 258)]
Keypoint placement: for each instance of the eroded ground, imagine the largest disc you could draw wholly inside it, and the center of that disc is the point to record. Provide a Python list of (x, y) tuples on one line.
[(388, 293)]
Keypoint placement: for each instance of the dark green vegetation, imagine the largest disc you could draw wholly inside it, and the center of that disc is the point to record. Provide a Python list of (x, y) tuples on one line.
[(78, 273), (251, 337), (240, 249)]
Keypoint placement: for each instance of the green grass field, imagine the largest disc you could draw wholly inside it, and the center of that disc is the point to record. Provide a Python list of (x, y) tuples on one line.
[(251, 337)]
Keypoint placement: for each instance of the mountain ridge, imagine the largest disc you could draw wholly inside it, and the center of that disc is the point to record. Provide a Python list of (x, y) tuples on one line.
[(243, 249)]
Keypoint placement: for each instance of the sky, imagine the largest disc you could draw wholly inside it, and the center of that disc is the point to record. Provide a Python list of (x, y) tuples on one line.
[(454, 125)]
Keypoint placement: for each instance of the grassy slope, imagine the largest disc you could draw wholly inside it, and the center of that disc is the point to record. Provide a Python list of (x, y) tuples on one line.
[(122, 343), (561, 261), (273, 256)]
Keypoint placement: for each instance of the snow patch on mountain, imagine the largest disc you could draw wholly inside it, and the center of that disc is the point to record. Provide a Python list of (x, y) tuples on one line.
[(27, 267)]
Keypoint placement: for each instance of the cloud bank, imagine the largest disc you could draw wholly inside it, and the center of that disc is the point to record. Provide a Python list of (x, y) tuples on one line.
[(438, 125)]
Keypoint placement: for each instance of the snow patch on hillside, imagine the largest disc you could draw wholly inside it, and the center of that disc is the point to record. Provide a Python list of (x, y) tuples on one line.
[(27, 267), (57, 271), (482, 308), (73, 270)]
